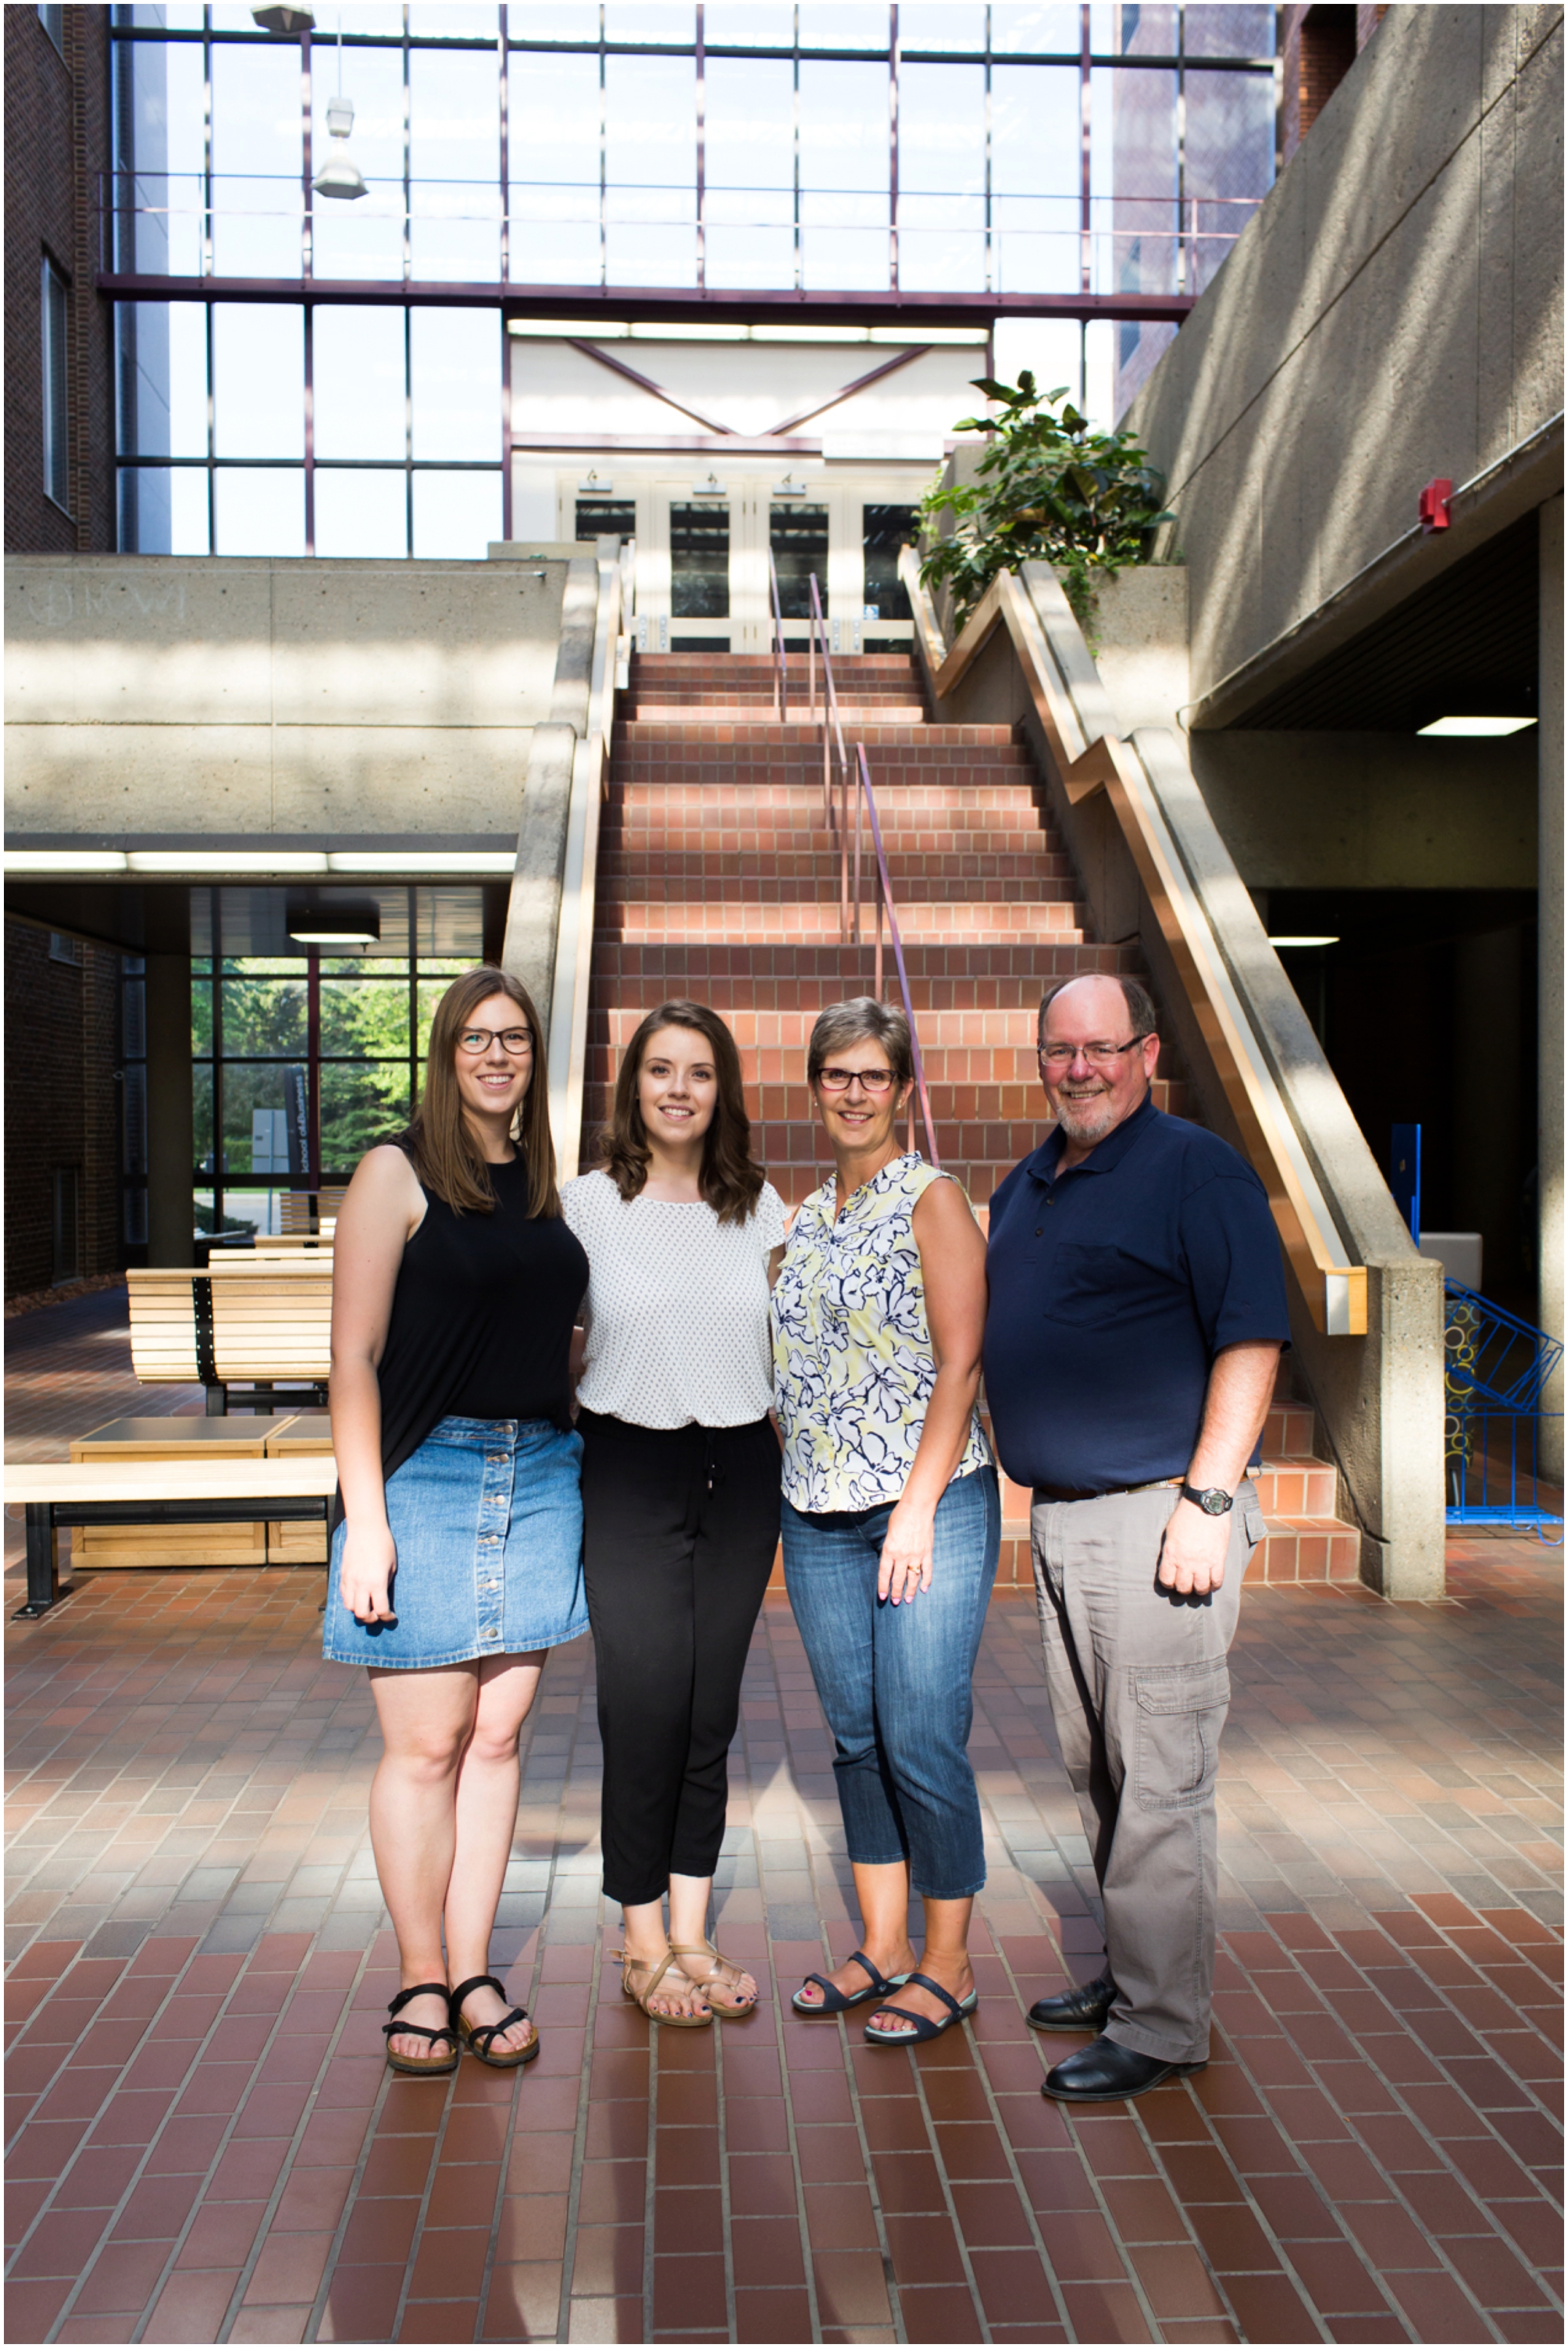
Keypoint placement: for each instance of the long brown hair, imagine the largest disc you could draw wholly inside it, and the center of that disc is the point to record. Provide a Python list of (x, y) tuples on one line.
[(730, 1181), (445, 1155)]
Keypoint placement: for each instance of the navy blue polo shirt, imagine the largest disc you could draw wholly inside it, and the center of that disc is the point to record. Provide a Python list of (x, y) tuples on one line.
[(1113, 1287)]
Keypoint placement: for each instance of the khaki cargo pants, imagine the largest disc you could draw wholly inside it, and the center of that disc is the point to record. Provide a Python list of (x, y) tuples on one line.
[(1140, 1687)]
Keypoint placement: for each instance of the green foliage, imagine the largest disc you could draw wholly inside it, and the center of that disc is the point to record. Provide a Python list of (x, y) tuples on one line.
[(1049, 489)]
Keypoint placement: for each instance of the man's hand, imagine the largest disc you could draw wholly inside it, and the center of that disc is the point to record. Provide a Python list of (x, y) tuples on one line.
[(1193, 1554)]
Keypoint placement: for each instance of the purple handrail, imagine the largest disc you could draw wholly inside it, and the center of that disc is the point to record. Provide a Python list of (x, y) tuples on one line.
[(838, 822)]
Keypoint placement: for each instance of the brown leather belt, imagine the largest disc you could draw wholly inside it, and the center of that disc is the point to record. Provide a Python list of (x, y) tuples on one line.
[(1073, 1492)]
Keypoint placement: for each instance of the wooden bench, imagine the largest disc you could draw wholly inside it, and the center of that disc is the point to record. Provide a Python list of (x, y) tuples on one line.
[(257, 1323), (205, 1491), (307, 1210), (290, 1247), (108, 1548)]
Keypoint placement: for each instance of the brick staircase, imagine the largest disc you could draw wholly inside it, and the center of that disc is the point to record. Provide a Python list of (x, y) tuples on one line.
[(717, 879)]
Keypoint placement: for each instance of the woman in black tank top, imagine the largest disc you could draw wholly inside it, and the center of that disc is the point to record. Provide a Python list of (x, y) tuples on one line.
[(457, 1560)]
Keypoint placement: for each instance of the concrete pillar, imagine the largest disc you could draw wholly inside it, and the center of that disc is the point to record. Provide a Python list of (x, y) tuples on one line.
[(1550, 736), (170, 1131)]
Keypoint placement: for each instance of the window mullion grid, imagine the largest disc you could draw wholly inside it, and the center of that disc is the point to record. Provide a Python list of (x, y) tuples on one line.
[(993, 271), (1085, 181), (1185, 247), (702, 156), (408, 157), (211, 334), (215, 925), (892, 148), (207, 143), (408, 424), (307, 223), (795, 141), (603, 159), (505, 167)]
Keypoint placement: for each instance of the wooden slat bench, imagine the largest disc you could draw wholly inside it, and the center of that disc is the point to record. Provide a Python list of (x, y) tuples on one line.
[(256, 1324), (204, 1491), (307, 1210)]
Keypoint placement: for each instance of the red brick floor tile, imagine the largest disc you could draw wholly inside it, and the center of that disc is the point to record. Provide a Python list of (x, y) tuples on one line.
[(1014, 2286), (1545, 2326), (688, 2219), (992, 2216), (379, 2232), (839, 2218), (121, 2277), (940, 2312), (1335, 2280), (850, 2289), (755, 2123), (221, 2234), (1233, 2240), (1496, 2276), (767, 2251), (607, 2263), (450, 2262), (191, 2306), (1079, 2246), (924, 2249), (289, 2270), (31, 2307), (523, 2301), (1269, 2307), (772, 2314), (1175, 2281), (1104, 2310), (1436, 2306), (605, 2319), (361, 2303), (688, 2294)]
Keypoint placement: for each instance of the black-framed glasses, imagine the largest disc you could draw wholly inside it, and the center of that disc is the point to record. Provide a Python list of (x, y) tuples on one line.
[(518, 1042), (1098, 1056), (875, 1081)]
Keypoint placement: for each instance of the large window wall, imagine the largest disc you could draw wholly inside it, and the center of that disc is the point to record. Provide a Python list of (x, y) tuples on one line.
[(307, 1056), (992, 154)]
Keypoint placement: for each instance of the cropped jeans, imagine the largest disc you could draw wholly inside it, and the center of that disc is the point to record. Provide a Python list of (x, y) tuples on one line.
[(895, 1681)]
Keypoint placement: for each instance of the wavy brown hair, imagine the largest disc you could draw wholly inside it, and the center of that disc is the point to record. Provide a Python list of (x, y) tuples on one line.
[(731, 1181), (445, 1155)]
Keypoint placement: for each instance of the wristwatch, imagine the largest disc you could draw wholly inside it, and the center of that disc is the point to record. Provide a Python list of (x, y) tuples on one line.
[(1215, 1502)]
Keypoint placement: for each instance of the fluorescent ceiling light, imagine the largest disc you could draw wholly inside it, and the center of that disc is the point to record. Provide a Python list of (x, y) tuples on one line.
[(1447, 727), (1304, 942), (653, 330), (440, 860), (224, 860), (65, 859)]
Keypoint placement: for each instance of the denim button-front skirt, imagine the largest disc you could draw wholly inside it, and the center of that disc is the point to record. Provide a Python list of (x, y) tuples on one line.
[(486, 1518)]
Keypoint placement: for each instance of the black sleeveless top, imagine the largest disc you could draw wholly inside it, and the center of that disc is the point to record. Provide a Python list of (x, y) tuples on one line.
[(481, 1319)]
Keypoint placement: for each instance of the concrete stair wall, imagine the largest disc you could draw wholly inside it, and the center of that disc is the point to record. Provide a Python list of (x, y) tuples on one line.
[(717, 878)]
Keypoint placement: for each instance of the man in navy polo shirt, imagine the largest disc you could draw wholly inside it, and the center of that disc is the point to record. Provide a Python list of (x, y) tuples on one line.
[(1137, 1313)]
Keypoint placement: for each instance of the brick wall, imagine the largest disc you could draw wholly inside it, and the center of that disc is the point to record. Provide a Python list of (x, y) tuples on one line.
[(62, 1108), (1317, 47), (56, 140)]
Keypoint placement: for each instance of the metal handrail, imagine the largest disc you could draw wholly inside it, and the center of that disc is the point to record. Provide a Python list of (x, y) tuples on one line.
[(781, 688), (837, 820)]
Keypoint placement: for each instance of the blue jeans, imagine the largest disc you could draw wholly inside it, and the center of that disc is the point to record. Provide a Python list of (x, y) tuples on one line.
[(895, 1681)]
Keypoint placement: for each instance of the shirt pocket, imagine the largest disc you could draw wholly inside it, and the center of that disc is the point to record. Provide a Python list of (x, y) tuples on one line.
[(1181, 1711), (1088, 1286)]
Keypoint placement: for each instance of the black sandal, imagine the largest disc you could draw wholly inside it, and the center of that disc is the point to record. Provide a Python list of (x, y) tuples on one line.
[(834, 2000), (481, 2036), (921, 2027), (423, 2067)]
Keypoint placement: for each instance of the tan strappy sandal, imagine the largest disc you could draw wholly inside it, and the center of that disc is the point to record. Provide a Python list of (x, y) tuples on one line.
[(723, 1973), (630, 1965)]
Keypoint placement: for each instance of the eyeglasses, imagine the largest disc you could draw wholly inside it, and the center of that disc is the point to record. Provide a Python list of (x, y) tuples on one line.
[(518, 1042), (875, 1081), (1098, 1056)]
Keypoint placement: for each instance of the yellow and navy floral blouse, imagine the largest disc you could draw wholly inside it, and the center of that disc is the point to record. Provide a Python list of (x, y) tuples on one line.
[(852, 1347)]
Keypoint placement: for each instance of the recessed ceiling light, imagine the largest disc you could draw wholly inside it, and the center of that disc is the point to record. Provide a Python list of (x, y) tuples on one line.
[(335, 925), (1304, 942), (1450, 727)]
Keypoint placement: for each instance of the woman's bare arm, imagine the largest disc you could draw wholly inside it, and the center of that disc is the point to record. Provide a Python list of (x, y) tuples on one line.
[(381, 1210), (953, 1270)]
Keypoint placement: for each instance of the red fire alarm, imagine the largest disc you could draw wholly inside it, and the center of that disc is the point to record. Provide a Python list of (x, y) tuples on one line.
[(1434, 505)]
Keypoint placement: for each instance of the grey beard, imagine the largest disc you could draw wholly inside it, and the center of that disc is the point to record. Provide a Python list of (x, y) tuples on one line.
[(1085, 1120)]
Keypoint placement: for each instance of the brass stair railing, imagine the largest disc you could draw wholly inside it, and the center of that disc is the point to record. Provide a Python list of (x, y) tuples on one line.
[(857, 873)]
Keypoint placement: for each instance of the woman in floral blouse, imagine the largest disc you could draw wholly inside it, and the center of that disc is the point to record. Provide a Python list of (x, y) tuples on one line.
[(891, 1519)]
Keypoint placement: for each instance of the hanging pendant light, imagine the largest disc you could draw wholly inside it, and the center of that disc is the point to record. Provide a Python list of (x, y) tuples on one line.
[(339, 175)]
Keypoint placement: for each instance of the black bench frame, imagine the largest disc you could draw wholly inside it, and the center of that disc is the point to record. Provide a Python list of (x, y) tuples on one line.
[(47, 1519)]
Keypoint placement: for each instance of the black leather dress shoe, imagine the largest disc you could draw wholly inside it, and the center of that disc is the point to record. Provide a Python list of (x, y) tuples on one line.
[(1083, 2008), (1108, 2074)]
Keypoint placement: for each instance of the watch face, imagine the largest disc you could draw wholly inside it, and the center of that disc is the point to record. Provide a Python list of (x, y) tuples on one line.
[(1217, 1503)]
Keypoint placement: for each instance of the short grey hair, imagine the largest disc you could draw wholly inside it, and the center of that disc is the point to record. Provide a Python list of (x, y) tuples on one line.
[(1139, 1004), (861, 1020)]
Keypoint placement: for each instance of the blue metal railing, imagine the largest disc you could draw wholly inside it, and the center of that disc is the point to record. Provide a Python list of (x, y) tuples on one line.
[(1496, 1368)]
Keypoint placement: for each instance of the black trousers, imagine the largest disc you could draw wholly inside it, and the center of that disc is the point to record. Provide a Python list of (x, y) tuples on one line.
[(679, 1528)]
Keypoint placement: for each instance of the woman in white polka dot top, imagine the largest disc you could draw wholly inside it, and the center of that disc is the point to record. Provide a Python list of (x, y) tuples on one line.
[(680, 1484)]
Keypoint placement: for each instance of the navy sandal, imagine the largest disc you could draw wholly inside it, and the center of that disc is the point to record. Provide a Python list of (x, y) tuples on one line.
[(482, 2036), (837, 2001), (923, 2027), (422, 2066)]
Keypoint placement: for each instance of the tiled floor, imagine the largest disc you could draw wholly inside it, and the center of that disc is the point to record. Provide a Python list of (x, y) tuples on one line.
[(205, 2144)]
